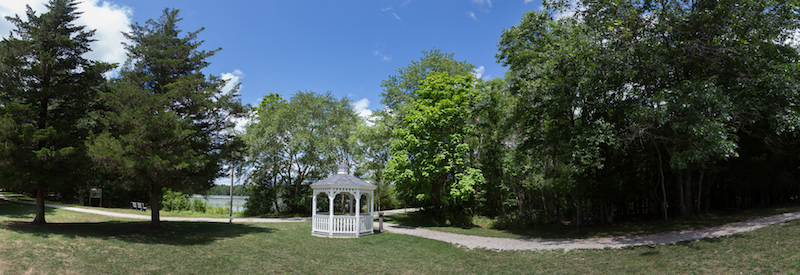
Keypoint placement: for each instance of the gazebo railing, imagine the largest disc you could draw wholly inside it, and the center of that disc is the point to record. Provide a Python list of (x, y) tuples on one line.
[(342, 224)]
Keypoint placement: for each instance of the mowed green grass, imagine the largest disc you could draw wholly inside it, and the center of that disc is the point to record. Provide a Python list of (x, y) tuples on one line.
[(77, 243)]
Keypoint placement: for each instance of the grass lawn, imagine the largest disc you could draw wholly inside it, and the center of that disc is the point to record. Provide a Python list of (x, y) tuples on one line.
[(418, 219), (89, 244)]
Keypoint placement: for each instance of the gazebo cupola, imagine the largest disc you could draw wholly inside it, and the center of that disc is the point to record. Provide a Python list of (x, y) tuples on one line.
[(360, 197)]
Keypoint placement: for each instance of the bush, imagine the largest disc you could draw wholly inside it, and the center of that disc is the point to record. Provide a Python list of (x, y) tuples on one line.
[(174, 201), (198, 205), (260, 201)]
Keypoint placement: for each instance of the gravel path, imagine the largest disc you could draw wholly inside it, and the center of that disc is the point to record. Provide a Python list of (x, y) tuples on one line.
[(472, 242)]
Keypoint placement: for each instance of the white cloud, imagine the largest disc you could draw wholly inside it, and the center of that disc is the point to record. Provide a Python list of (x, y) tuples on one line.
[(487, 3), (240, 123), (13, 8), (389, 9), (382, 56), (528, 1), (232, 78), (362, 111), (472, 15), (109, 21), (478, 72)]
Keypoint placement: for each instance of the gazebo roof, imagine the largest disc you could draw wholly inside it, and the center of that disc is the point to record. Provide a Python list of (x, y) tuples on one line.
[(343, 179)]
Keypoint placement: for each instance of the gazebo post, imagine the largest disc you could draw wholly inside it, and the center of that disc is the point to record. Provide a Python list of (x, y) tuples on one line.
[(330, 213), (314, 205), (358, 211)]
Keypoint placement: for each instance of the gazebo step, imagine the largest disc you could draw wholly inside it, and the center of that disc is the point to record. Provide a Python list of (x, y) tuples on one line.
[(340, 235)]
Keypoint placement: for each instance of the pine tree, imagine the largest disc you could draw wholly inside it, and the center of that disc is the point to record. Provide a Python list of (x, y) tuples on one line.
[(167, 121), (47, 90)]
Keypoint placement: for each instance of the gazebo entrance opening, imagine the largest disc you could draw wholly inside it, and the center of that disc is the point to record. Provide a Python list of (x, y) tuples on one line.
[(354, 200)]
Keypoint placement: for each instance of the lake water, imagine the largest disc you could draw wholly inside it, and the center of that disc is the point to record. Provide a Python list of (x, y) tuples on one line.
[(223, 201)]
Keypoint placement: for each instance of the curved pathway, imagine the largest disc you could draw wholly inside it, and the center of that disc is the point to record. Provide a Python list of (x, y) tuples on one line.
[(492, 243), (673, 237)]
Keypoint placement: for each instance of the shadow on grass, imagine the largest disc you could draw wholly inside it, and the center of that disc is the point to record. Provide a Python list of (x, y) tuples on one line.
[(21, 211), (172, 233)]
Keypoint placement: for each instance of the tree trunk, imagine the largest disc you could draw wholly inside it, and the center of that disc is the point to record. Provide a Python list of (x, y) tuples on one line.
[(663, 189), (681, 195), (687, 189), (577, 213), (277, 209), (155, 199), (39, 219), (699, 193), (436, 192)]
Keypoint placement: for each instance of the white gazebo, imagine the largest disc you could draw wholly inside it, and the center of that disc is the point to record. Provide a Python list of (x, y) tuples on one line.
[(353, 225)]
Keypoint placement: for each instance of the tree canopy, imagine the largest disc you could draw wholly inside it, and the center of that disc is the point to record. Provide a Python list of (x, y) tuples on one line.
[(47, 89), (167, 123)]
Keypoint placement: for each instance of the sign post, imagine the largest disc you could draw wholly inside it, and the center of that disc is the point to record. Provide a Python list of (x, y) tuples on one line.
[(96, 193)]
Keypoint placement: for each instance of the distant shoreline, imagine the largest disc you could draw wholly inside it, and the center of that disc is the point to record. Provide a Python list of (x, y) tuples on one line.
[(219, 197)]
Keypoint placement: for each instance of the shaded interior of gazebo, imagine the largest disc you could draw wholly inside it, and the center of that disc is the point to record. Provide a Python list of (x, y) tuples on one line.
[(356, 194)]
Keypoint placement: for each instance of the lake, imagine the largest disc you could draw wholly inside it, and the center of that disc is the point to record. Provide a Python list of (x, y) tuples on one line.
[(223, 201)]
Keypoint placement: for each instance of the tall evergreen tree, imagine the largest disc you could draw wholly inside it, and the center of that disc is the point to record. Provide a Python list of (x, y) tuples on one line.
[(167, 122), (47, 90)]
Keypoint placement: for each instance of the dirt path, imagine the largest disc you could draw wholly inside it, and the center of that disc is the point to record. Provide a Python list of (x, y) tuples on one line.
[(472, 242), (492, 243)]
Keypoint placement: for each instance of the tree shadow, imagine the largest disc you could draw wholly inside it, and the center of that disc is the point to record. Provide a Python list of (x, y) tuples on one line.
[(171, 233), (21, 211), (653, 251), (18, 217)]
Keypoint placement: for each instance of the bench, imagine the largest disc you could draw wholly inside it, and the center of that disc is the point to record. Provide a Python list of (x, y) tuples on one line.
[(138, 206)]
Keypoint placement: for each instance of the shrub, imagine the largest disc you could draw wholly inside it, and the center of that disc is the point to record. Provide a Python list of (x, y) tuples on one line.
[(174, 201), (198, 205)]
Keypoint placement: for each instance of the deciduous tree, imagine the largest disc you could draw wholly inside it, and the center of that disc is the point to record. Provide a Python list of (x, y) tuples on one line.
[(430, 152)]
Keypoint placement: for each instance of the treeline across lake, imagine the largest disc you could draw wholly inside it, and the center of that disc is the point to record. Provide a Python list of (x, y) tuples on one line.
[(225, 190)]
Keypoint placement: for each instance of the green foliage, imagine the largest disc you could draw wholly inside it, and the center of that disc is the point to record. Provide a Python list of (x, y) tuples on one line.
[(47, 89), (198, 205), (625, 98), (292, 143), (400, 89), (166, 122), (263, 200), (429, 159), (175, 201)]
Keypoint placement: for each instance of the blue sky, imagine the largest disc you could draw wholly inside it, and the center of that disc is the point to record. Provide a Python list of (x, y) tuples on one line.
[(345, 47)]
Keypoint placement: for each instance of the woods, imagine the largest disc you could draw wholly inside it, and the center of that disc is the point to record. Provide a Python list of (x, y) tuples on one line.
[(609, 111)]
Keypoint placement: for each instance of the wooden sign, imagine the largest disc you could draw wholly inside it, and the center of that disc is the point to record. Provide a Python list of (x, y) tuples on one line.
[(96, 193)]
